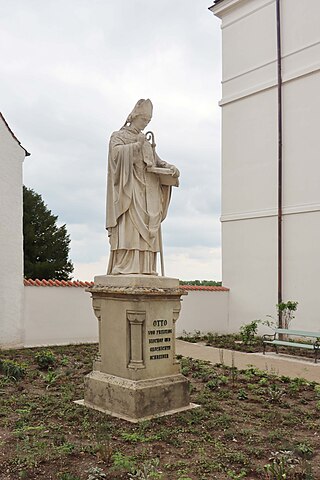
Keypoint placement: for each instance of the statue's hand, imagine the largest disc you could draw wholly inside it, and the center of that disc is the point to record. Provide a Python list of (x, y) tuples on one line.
[(175, 171)]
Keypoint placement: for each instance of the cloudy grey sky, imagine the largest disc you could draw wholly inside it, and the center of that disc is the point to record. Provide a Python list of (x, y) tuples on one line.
[(71, 71)]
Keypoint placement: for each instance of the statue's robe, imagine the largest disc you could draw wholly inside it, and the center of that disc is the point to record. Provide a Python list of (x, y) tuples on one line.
[(136, 205)]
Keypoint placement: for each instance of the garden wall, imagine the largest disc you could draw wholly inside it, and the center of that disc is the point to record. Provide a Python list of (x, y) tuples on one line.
[(57, 313)]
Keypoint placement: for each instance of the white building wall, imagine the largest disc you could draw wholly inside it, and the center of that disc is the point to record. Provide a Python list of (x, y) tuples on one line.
[(250, 253), (64, 315), (249, 157), (11, 244)]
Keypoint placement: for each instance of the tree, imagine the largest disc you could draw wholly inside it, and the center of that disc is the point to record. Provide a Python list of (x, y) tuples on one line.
[(46, 246)]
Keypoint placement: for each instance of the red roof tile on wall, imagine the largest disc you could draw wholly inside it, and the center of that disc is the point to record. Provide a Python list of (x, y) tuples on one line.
[(209, 288), (55, 283), (77, 283)]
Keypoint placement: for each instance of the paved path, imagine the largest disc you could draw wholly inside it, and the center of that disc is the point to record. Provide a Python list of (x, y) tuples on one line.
[(278, 364)]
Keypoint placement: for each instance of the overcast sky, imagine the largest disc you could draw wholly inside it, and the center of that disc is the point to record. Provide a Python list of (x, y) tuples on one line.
[(72, 70)]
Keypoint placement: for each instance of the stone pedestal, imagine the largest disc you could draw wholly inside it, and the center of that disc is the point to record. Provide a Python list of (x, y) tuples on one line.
[(136, 375)]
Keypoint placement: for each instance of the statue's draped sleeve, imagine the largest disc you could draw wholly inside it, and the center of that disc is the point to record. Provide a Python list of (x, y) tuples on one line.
[(120, 179), (166, 190)]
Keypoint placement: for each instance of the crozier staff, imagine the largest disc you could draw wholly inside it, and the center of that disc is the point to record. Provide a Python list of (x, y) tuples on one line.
[(137, 201)]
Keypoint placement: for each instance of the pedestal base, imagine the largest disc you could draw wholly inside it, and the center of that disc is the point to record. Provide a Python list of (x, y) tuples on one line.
[(136, 400), (136, 375)]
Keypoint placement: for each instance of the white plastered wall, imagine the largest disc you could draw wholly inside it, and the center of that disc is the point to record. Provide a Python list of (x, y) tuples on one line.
[(64, 315), (250, 247), (301, 225), (206, 311), (58, 316), (301, 151), (249, 157), (11, 243)]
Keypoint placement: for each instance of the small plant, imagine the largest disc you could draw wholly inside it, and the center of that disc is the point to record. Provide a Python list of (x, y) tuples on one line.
[(275, 393), (133, 437), (317, 390), (236, 476), (223, 379), (304, 449), (123, 462), (263, 381), (212, 384), (274, 435), (64, 361), (210, 337), (242, 395), (45, 359), (50, 378), (104, 451), (66, 448), (96, 473), (12, 369), (249, 331), (149, 470), (283, 462), (68, 476), (192, 337), (23, 474)]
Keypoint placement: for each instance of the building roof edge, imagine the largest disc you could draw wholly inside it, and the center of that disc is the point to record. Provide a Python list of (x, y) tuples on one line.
[(222, 6), (13, 135)]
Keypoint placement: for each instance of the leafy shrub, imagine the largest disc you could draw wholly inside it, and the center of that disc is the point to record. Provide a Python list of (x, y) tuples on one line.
[(249, 331), (285, 311), (12, 369), (45, 359)]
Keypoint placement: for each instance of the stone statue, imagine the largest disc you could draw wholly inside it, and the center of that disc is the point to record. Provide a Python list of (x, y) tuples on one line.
[(138, 195)]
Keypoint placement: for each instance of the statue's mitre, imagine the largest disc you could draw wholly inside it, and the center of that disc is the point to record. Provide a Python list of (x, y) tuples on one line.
[(142, 107)]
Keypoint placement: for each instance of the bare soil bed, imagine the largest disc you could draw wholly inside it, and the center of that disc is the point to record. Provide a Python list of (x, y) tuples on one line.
[(247, 420)]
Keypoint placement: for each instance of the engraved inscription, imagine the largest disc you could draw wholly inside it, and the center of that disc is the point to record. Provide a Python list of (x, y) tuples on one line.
[(157, 349), (158, 337), (157, 357), (160, 323)]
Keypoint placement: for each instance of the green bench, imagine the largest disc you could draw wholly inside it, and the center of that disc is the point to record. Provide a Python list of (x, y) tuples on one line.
[(274, 340)]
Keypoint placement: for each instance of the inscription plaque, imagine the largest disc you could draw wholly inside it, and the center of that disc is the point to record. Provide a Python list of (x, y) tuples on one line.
[(158, 337)]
